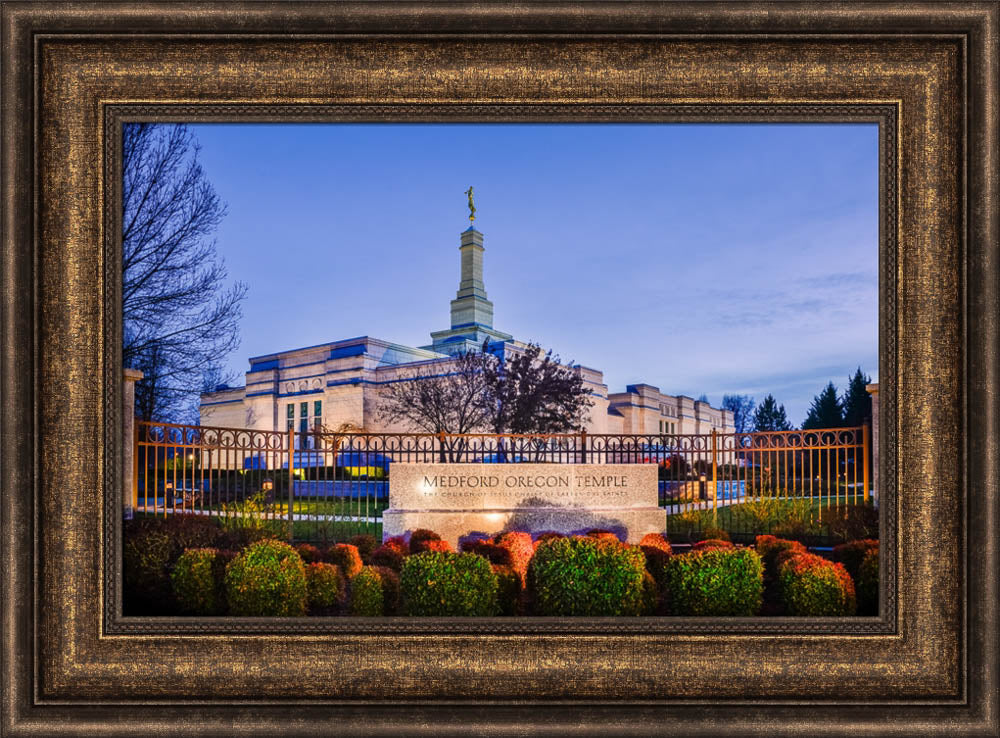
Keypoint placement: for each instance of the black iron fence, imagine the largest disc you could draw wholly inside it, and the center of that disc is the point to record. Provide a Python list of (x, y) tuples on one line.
[(323, 487)]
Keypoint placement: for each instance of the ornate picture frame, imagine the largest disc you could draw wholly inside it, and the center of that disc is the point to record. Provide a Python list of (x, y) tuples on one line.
[(73, 74)]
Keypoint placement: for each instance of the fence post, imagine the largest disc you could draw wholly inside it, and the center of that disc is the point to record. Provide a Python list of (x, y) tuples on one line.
[(130, 490), (583, 446), (291, 481), (864, 455), (715, 477)]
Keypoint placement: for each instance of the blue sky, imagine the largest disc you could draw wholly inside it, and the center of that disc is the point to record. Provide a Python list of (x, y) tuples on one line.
[(697, 258)]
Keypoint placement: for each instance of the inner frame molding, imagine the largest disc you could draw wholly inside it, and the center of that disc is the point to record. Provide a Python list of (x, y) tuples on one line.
[(69, 71), (885, 115)]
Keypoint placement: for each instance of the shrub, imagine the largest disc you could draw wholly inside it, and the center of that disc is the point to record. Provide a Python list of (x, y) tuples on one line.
[(508, 588), (267, 578), (367, 598), (145, 557), (390, 589), (715, 534), (324, 585), (252, 518), (548, 535), (586, 576), (434, 544), (442, 583), (387, 556), (780, 515), (851, 522), (655, 540), (195, 585), (347, 557), (811, 585), (853, 553), (397, 543), (496, 555), (867, 583), (656, 563), (239, 538), (650, 594), (770, 547), (720, 581), (190, 531), (603, 534), (419, 539), (308, 552), (365, 544), (710, 544), (521, 549)]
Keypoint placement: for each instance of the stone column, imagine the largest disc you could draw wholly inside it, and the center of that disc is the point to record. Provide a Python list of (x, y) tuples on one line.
[(131, 376), (873, 391)]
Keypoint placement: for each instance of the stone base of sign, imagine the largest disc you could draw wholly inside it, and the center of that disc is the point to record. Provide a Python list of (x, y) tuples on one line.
[(460, 501), (629, 525)]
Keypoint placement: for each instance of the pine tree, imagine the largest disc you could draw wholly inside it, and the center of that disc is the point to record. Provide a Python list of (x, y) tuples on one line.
[(857, 402), (770, 416), (826, 410)]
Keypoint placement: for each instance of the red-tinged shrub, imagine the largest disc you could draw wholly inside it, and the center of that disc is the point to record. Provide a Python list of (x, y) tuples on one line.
[(602, 534), (365, 544), (388, 556), (346, 557), (496, 555), (419, 538), (521, 549), (711, 543), (811, 585), (325, 586), (655, 540), (771, 548), (867, 583), (429, 544), (309, 553), (508, 589), (390, 589), (367, 597), (851, 554), (397, 543), (548, 535), (717, 534)]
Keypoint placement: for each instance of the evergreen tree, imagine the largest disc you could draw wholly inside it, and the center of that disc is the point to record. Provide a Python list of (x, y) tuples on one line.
[(770, 416), (857, 402), (826, 410)]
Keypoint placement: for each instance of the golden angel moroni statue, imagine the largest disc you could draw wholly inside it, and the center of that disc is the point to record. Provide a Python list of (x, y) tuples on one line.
[(472, 205)]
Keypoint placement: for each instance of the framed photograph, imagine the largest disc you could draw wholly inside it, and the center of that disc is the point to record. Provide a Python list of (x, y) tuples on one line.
[(152, 470)]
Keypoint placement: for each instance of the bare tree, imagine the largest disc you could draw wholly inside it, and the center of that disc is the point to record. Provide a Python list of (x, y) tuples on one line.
[(742, 407), (180, 319)]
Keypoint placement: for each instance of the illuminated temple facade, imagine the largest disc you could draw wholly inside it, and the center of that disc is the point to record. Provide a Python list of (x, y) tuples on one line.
[(337, 384)]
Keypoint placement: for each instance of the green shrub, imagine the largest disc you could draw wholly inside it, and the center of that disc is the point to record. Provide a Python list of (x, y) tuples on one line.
[(867, 583), (811, 585), (365, 544), (586, 576), (508, 589), (548, 535), (367, 598), (324, 585), (252, 519), (347, 557), (442, 583), (267, 578), (391, 597), (713, 582), (782, 516), (851, 554), (195, 582)]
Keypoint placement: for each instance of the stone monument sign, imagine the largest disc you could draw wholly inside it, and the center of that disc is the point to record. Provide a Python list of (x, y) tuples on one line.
[(458, 500)]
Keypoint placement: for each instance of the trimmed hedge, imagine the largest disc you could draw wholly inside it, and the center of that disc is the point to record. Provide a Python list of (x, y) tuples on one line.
[(365, 544), (650, 594), (586, 576), (308, 552), (851, 554), (770, 547), (391, 596), (508, 589), (715, 582), (521, 549), (420, 538), (711, 543), (496, 555), (867, 583), (324, 585), (267, 578), (195, 582), (347, 557), (811, 585), (443, 583), (367, 599), (656, 540)]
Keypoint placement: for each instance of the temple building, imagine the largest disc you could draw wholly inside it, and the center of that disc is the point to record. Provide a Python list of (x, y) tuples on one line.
[(337, 384)]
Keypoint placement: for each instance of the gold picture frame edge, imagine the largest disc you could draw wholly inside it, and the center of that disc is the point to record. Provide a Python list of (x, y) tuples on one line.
[(974, 713)]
